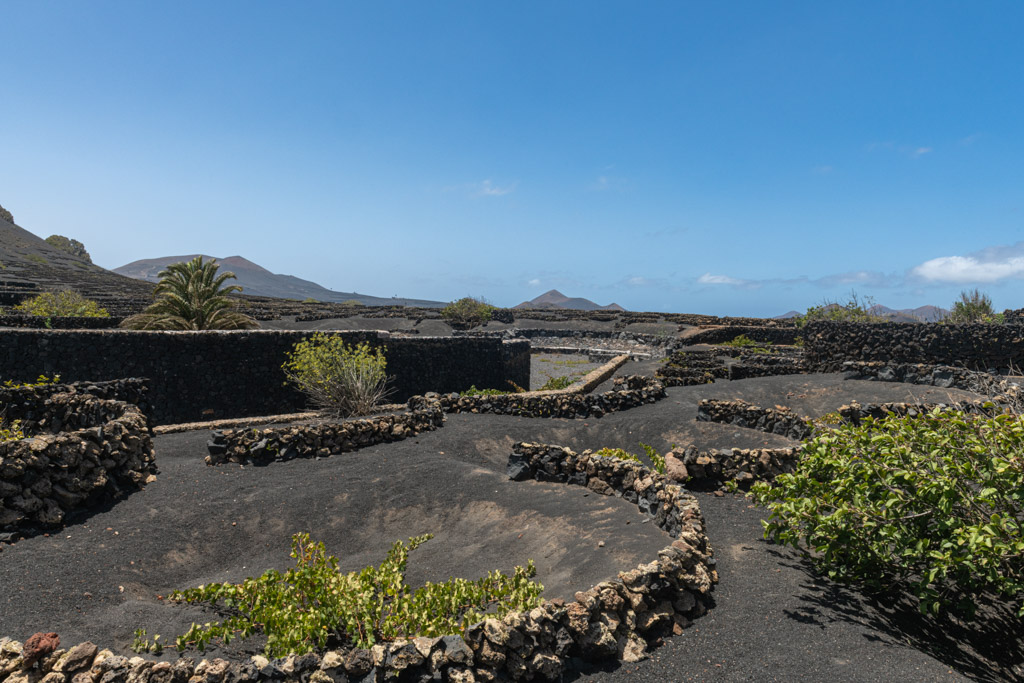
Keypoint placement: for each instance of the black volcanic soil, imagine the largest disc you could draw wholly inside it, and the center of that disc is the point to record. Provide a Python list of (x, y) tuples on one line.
[(774, 619)]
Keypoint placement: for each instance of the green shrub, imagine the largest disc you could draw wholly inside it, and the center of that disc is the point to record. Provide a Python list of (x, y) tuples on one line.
[(558, 383), (973, 307), (933, 503), (745, 342), (300, 609), (467, 312), (65, 302), (341, 379), (70, 246), (352, 303), (854, 310)]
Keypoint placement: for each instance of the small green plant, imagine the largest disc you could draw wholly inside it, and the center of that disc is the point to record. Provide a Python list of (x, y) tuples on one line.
[(657, 460), (932, 503), (41, 381), (64, 303), (473, 391), (310, 300), (70, 246), (558, 383), (352, 303), (36, 258), (11, 432), (467, 312), (142, 645), (744, 342), (973, 307), (341, 379), (300, 609)]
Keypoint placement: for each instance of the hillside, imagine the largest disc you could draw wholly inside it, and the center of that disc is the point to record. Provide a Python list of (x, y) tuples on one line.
[(29, 263), (256, 280), (554, 299)]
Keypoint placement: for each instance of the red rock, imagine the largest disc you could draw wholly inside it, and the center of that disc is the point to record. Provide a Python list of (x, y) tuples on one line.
[(39, 645)]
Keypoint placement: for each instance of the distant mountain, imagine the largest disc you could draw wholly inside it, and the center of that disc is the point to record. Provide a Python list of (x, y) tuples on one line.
[(555, 299), (256, 280), (921, 314)]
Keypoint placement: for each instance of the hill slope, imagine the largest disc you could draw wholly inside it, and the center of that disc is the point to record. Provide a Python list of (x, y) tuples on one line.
[(256, 280), (28, 262), (555, 299)]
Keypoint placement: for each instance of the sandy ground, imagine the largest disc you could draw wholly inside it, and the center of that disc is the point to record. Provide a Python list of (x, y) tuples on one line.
[(774, 619)]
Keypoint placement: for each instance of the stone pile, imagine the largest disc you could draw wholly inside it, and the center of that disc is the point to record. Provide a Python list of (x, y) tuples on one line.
[(32, 405), (687, 368), (322, 440), (639, 391), (781, 334), (767, 365), (778, 420), (59, 322), (98, 449), (713, 468)]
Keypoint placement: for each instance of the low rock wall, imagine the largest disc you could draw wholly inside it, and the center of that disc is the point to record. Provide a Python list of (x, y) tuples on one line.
[(59, 322), (48, 476), (779, 420), (1001, 390), (636, 391), (978, 346), (262, 446), (719, 335), (31, 406), (855, 413), (713, 468)]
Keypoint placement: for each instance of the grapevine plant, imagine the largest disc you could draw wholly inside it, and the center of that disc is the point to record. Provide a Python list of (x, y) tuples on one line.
[(932, 502), (300, 609)]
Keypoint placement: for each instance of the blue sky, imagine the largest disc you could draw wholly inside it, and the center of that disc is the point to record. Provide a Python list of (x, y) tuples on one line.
[(741, 158)]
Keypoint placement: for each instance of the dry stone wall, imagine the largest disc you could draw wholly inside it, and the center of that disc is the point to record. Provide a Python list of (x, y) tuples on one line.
[(262, 446), (635, 391), (713, 468), (720, 335), (976, 346), (59, 322), (855, 413), (86, 450), (1002, 390), (779, 420), (210, 375), (31, 406)]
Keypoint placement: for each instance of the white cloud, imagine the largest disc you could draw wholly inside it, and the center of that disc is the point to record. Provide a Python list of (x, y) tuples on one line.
[(638, 281), (486, 188), (920, 151), (535, 282), (709, 279), (989, 265)]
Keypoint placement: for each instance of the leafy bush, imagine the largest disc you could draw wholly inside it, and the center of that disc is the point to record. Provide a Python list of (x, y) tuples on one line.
[(6, 215), (66, 302), (657, 460), (467, 312), (340, 379), (558, 383), (745, 342), (931, 502), (70, 246), (973, 307), (303, 607), (192, 296), (855, 310)]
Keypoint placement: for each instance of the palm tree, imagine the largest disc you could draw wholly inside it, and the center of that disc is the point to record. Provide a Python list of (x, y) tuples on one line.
[(192, 296)]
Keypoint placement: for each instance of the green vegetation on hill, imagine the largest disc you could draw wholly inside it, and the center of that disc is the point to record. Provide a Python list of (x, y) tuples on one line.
[(6, 215), (71, 246), (973, 307), (854, 310)]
